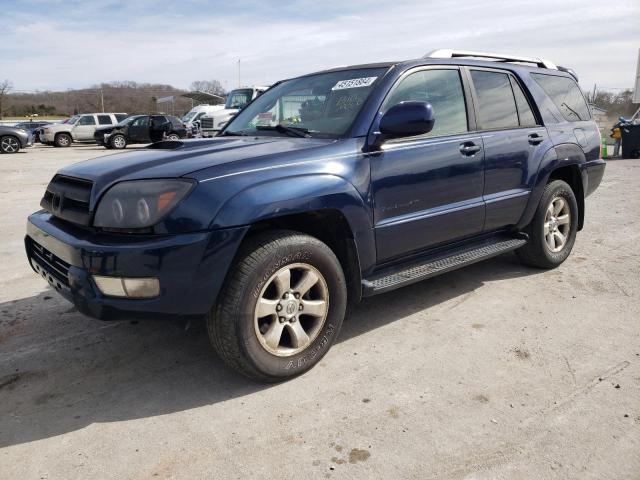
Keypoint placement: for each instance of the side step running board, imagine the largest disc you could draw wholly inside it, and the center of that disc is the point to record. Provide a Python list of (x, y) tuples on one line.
[(436, 265)]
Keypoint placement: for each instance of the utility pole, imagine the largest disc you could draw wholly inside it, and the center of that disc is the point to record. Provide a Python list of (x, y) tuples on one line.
[(102, 100), (593, 96), (239, 84)]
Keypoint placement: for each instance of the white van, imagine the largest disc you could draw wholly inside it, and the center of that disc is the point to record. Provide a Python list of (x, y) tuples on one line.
[(196, 113)]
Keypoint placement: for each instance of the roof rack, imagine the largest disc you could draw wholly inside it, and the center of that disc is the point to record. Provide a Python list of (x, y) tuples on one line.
[(448, 53)]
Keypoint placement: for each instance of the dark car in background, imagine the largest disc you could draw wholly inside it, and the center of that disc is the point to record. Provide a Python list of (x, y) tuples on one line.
[(141, 129), (12, 139), (34, 127)]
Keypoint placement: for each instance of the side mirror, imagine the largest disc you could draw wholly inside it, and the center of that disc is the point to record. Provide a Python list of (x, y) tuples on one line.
[(407, 119)]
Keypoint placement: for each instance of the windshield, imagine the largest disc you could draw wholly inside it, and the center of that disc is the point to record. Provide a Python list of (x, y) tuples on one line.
[(127, 121), (238, 98), (72, 120), (322, 105), (189, 115)]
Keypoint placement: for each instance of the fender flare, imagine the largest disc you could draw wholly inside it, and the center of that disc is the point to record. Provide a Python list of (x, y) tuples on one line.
[(300, 194), (562, 155)]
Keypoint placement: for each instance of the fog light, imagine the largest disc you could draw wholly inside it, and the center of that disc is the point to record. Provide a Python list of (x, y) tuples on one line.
[(128, 287)]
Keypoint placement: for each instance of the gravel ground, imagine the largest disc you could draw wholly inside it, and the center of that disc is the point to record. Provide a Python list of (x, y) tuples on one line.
[(495, 371)]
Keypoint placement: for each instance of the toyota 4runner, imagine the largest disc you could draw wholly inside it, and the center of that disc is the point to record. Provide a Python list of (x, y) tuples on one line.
[(327, 188)]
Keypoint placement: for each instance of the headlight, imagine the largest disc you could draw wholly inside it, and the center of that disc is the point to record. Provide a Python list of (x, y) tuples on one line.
[(140, 203)]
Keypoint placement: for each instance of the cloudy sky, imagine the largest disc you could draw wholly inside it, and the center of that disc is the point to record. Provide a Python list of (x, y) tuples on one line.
[(59, 44)]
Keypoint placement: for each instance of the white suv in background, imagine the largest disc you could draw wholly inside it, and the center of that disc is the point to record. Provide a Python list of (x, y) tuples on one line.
[(79, 128), (212, 123)]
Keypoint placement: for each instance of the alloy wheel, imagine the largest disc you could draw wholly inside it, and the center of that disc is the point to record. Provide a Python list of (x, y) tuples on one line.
[(557, 224), (291, 310), (9, 145)]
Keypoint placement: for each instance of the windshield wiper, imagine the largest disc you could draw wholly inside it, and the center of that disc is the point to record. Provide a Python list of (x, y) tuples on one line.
[(239, 133), (293, 131)]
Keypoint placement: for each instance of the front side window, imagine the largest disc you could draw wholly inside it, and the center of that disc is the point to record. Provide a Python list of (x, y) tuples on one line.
[(322, 105), (496, 107), (566, 94), (443, 90), (87, 120), (104, 119), (141, 122)]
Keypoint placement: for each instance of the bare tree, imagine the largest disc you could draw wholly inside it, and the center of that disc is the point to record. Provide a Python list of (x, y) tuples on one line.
[(208, 86), (5, 88)]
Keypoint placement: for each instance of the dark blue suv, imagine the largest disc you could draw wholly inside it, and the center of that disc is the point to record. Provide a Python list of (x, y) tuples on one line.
[(327, 188)]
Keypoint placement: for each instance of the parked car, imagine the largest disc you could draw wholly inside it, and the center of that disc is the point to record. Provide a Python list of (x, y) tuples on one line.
[(140, 129), (211, 123), (12, 139), (329, 187), (79, 128)]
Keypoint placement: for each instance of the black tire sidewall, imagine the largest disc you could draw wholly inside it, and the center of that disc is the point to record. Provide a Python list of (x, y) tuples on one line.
[(557, 188), (317, 255), (113, 143), (59, 136)]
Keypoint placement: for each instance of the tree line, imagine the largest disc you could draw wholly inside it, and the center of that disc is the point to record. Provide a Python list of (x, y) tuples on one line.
[(123, 96)]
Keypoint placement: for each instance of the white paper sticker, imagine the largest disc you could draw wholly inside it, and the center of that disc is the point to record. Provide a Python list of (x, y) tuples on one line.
[(354, 83)]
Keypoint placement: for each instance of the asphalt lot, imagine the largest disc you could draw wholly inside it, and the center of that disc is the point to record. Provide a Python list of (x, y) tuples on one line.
[(494, 371)]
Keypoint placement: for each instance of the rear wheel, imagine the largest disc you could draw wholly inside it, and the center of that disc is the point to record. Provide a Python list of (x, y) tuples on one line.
[(118, 142), (63, 140), (281, 308), (552, 232), (9, 144)]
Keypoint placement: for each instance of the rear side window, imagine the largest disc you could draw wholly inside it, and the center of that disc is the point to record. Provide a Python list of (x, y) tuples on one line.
[(104, 119), (566, 94), (496, 107), (527, 119), (443, 90)]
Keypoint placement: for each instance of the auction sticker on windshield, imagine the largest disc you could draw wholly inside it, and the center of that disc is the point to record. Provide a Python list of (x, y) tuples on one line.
[(354, 83)]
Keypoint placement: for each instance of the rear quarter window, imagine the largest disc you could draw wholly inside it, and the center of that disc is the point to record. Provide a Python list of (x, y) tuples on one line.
[(566, 94)]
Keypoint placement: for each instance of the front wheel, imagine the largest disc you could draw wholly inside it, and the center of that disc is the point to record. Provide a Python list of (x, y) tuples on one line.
[(282, 306), (118, 142), (552, 232), (173, 137), (62, 140)]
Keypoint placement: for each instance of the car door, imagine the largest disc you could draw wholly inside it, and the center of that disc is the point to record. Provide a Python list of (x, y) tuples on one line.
[(139, 130), (514, 143), (427, 190), (84, 128)]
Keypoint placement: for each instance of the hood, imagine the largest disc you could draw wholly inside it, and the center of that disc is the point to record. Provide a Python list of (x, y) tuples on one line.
[(162, 161), (102, 130)]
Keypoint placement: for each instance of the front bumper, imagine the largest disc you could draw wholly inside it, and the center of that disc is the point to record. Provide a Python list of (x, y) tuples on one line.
[(191, 267)]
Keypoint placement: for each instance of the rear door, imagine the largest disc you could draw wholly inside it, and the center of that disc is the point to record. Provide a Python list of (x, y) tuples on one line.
[(84, 128), (514, 142), (427, 189)]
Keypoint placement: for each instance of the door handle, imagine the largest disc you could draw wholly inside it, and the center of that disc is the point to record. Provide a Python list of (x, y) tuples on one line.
[(535, 138), (469, 148)]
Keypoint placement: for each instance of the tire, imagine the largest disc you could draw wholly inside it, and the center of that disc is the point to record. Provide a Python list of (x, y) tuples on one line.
[(9, 144), (173, 137), (238, 331), (635, 154), (63, 140), (546, 250), (118, 142)]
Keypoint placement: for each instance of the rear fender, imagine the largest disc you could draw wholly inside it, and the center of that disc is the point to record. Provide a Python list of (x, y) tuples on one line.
[(560, 156)]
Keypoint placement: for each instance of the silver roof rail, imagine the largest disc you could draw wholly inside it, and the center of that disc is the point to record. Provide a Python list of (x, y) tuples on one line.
[(449, 53)]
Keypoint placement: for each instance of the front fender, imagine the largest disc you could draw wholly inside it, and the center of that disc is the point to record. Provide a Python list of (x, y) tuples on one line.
[(297, 195)]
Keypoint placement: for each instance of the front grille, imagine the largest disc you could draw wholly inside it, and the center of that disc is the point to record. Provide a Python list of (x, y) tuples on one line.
[(55, 266), (68, 198), (206, 122)]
